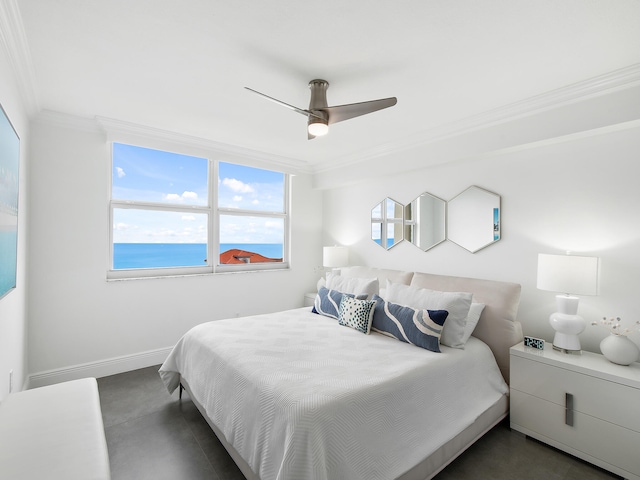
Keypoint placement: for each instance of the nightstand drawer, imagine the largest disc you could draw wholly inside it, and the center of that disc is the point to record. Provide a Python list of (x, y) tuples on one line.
[(593, 396), (589, 438)]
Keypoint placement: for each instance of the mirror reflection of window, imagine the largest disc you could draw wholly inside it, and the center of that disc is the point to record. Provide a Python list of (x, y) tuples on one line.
[(387, 223), (425, 221), (376, 233), (376, 212)]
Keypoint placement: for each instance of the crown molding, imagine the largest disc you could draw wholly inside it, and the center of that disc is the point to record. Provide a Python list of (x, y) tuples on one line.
[(67, 120), (570, 137), (601, 85), (14, 39), (118, 129)]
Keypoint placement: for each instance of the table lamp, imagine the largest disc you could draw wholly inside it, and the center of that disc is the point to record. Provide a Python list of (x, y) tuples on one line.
[(333, 257), (573, 275)]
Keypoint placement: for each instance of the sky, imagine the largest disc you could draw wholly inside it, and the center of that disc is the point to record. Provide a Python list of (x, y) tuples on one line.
[(165, 178), (9, 166)]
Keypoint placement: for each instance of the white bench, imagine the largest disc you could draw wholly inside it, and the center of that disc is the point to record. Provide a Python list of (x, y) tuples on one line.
[(54, 432)]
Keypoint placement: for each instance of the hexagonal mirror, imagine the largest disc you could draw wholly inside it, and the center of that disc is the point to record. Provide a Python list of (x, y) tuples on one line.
[(386, 223), (424, 221), (473, 219)]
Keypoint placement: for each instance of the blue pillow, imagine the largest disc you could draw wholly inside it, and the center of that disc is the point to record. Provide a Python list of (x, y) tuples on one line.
[(417, 327), (327, 302)]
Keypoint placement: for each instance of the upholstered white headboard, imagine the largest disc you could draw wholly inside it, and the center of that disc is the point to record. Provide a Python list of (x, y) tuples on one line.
[(497, 327), (382, 274)]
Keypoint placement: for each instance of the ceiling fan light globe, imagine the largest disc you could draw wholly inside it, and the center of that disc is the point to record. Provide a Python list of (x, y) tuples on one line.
[(318, 129)]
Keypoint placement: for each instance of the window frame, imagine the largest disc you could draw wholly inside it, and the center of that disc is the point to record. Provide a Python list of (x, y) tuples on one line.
[(218, 211), (213, 212)]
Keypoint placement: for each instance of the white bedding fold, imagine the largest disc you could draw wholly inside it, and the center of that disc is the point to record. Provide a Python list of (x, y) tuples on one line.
[(301, 397)]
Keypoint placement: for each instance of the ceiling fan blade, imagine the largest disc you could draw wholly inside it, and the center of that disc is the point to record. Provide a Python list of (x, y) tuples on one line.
[(306, 113), (352, 110)]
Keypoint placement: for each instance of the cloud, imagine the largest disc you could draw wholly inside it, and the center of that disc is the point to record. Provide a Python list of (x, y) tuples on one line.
[(188, 218), (237, 185), (120, 226), (237, 198), (120, 172), (174, 197), (190, 195), (256, 202)]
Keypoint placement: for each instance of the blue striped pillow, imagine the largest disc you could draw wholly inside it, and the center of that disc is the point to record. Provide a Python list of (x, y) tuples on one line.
[(327, 302), (417, 327)]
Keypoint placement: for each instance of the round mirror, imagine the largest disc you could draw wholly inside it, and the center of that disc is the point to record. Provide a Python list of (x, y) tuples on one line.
[(424, 221), (473, 219), (386, 223)]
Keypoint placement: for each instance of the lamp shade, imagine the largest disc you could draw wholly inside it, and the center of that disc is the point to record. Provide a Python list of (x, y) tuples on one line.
[(334, 257), (570, 274)]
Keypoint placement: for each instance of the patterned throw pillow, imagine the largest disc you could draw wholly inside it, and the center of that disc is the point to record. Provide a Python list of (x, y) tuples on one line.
[(327, 302), (456, 303), (357, 314), (415, 326)]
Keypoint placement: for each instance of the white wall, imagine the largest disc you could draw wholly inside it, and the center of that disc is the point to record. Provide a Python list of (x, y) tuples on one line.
[(13, 306), (581, 195), (81, 324)]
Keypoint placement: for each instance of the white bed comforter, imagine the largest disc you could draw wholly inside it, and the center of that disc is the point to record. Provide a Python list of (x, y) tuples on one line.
[(301, 397)]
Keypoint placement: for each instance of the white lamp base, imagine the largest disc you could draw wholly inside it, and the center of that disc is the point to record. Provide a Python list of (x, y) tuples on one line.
[(567, 325)]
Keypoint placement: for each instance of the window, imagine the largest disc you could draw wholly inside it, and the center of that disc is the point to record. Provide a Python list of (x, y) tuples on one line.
[(170, 214), (251, 215)]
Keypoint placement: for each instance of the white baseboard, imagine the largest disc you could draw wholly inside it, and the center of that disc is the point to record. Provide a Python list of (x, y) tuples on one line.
[(99, 369)]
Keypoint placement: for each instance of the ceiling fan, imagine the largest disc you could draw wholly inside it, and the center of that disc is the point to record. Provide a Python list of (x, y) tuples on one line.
[(320, 116)]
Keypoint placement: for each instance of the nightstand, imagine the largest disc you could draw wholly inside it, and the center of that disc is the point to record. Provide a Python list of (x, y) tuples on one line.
[(309, 298), (581, 404)]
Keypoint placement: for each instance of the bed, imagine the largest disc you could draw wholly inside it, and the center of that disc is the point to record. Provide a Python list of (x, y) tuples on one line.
[(297, 395)]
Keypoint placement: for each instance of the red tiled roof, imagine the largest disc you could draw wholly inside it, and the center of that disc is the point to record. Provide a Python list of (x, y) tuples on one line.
[(235, 256)]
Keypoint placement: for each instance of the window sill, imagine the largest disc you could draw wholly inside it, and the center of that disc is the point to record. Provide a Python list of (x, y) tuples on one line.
[(147, 274)]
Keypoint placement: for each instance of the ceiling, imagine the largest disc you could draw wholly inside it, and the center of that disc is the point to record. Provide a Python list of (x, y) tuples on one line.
[(181, 65)]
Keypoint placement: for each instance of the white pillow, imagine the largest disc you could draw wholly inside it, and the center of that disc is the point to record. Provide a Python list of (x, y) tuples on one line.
[(472, 320), (354, 285), (456, 303)]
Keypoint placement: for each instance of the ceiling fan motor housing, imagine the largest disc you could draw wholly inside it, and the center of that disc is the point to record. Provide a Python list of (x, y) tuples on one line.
[(318, 94), (316, 104)]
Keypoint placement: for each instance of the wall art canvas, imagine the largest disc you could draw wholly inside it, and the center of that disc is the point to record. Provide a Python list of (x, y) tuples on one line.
[(9, 165)]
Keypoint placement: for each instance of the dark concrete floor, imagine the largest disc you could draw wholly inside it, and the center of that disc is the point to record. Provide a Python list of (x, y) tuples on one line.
[(152, 435)]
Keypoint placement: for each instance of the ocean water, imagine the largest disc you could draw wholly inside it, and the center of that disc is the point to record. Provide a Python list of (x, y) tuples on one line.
[(390, 242), (8, 260), (158, 255)]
